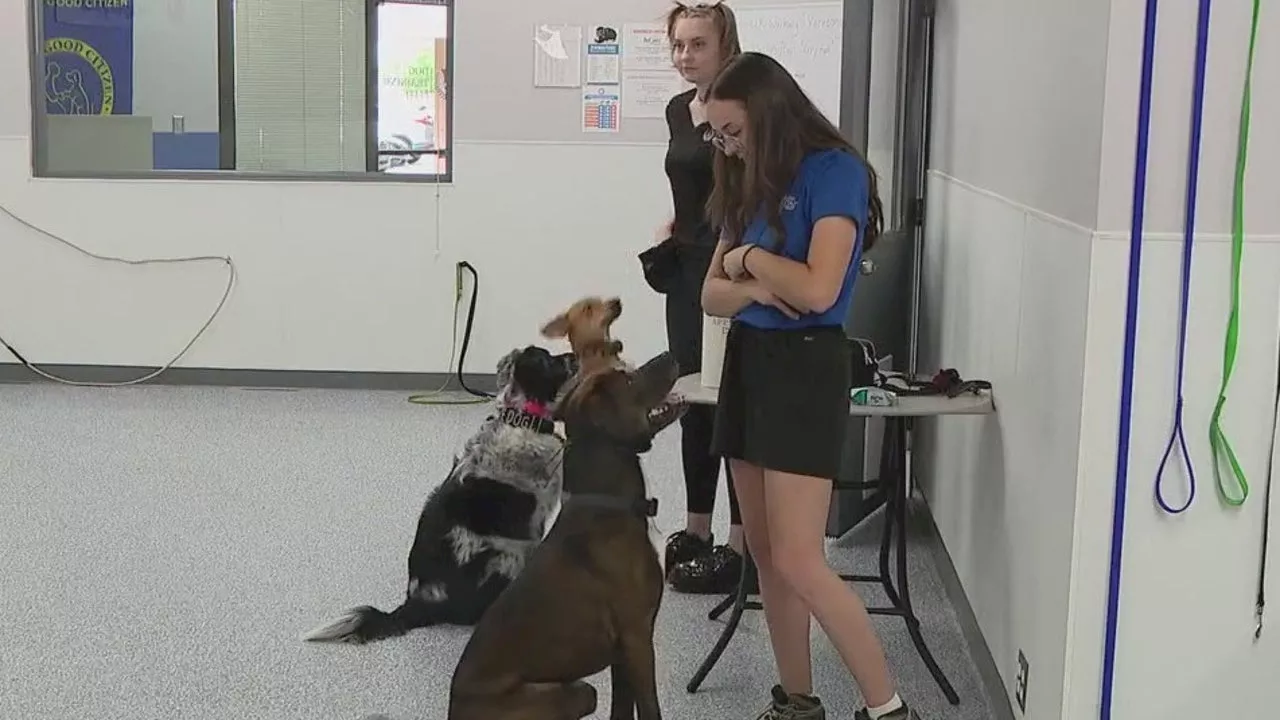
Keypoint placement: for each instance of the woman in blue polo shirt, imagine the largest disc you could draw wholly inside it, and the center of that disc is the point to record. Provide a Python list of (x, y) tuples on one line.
[(797, 206)]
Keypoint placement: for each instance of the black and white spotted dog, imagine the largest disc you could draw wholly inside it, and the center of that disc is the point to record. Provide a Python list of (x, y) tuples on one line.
[(479, 527)]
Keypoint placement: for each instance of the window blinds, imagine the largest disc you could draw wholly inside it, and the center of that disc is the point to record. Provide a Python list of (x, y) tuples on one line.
[(300, 76)]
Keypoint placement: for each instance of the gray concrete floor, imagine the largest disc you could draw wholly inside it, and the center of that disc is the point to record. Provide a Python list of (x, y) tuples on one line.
[(162, 548)]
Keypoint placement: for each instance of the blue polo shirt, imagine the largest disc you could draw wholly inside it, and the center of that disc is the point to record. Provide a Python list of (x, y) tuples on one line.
[(828, 183)]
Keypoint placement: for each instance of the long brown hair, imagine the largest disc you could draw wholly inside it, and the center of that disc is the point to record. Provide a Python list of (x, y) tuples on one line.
[(783, 126), (721, 17)]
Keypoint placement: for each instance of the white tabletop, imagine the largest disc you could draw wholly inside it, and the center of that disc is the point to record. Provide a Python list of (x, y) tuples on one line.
[(690, 386)]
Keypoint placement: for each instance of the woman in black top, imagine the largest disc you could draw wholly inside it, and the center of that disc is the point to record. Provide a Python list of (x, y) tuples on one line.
[(703, 38)]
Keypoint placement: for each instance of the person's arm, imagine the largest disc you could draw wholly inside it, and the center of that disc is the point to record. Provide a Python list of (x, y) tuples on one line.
[(722, 297), (665, 230), (838, 204), (726, 297), (812, 285), (668, 226)]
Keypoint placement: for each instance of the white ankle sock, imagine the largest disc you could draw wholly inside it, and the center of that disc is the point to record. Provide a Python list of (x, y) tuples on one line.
[(895, 703)]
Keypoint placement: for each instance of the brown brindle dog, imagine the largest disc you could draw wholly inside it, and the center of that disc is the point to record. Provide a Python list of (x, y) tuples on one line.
[(588, 598)]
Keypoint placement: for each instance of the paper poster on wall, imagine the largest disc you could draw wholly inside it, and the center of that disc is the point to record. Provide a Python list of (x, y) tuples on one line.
[(600, 111), (807, 40), (645, 47), (557, 56), (88, 58), (604, 56), (645, 94)]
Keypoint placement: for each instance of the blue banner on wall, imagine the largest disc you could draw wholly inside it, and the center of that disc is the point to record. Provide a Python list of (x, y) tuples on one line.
[(88, 57)]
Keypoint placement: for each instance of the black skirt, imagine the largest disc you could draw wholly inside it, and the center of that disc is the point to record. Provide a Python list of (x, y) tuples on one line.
[(784, 399)]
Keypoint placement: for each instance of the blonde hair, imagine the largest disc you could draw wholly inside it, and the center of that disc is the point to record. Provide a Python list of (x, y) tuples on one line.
[(722, 19)]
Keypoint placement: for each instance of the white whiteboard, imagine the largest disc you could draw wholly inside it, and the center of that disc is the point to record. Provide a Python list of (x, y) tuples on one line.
[(807, 39)]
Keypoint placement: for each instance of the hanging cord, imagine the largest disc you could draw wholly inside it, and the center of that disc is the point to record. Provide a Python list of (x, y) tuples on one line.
[(1237, 244), (1124, 431), (1188, 241), (438, 396), (1260, 606), (1222, 450), (226, 293)]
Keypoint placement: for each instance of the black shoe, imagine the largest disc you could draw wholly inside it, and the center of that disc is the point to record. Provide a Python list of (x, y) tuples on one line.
[(793, 707), (684, 546), (715, 573)]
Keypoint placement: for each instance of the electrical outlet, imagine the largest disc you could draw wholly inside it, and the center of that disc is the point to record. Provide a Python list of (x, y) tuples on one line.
[(1020, 684)]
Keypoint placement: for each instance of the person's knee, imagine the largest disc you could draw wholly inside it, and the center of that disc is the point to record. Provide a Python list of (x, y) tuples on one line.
[(758, 544), (799, 566)]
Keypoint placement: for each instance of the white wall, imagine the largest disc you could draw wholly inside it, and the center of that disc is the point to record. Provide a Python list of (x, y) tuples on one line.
[(1005, 300), (1018, 104), (1013, 192), (333, 276), (1186, 609), (1026, 270)]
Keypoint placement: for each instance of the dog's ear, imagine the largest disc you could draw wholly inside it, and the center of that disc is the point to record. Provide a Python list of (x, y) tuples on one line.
[(557, 327), (505, 367)]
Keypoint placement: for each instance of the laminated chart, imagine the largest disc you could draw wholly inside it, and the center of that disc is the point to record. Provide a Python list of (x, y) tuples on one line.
[(600, 108)]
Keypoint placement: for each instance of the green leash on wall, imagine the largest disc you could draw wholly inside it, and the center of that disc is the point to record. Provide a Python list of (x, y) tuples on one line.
[(1223, 454)]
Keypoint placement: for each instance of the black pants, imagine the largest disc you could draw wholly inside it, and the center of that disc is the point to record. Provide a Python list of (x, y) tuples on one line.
[(684, 339)]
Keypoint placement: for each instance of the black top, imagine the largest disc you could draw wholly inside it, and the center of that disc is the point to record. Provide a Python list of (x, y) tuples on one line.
[(688, 166)]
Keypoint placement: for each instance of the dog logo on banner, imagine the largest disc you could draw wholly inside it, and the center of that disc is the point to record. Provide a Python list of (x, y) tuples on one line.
[(77, 79)]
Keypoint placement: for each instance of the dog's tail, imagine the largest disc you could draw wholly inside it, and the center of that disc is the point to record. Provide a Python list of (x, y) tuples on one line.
[(366, 624)]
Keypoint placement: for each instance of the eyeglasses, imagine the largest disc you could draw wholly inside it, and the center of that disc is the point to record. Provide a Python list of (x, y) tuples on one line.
[(721, 141), (699, 6)]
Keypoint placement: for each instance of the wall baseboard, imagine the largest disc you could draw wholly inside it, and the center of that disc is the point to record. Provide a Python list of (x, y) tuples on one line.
[(11, 373), (921, 525)]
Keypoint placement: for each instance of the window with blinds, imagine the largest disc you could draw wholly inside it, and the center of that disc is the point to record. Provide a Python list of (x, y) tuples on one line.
[(301, 85)]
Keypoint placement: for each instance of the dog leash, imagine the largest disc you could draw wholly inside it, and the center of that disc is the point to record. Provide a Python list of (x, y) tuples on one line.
[(1261, 603), (945, 382), (1125, 425), (433, 397), (1188, 241), (1217, 438)]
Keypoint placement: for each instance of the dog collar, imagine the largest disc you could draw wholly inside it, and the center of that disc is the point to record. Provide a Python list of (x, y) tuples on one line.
[(527, 418), (642, 507)]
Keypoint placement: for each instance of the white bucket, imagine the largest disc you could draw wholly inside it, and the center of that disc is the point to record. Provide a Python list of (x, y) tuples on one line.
[(715, 330)]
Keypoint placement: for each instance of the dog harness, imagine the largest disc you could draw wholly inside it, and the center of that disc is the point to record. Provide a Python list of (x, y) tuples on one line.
[(642, 507), (532, 416)]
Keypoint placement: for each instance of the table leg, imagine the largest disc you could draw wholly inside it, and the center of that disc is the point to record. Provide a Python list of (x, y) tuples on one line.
[(887, 492), (738, 602), (896, 514)]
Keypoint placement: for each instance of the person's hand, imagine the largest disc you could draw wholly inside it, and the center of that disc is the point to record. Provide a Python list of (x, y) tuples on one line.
[(733, 262), (762, 295), (664, 231)]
